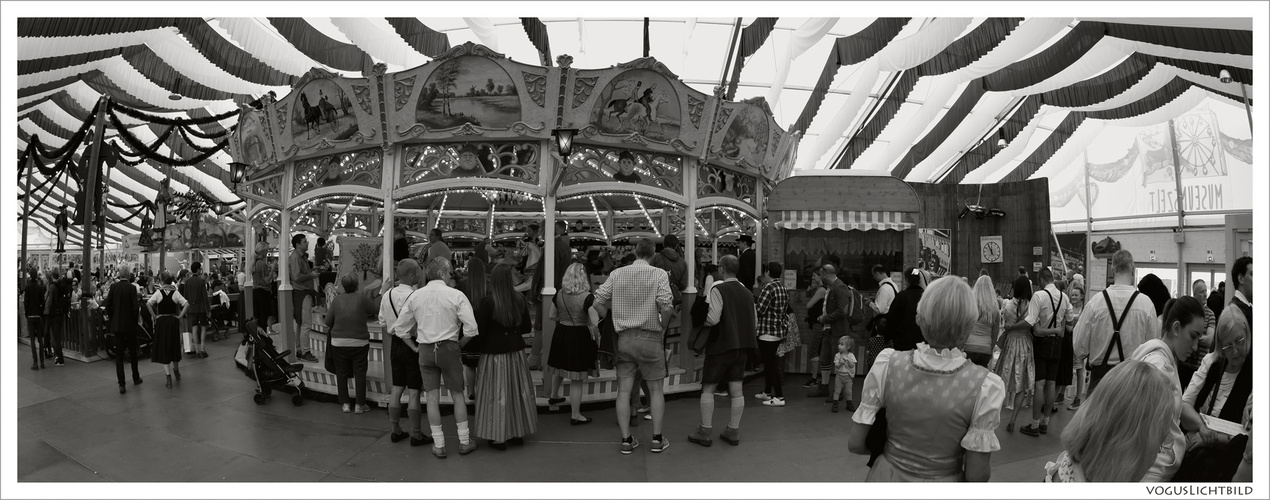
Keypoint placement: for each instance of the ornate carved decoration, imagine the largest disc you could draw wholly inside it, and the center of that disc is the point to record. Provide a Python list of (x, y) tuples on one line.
[(651, 64), (379, 69), (361, 168), (516, 161), (564, 61), (281, 112), (469, 48), (724, 114), (324, 144), (402, 89), (635, 138), (314, 73), (582, 89), (467, 129), (759, 101), (362, 94), (597, 164), (536, 85), (523, 128), (695, 108), (414, 131)]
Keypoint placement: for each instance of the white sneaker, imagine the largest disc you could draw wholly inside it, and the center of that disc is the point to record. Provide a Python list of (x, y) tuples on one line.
[(762, 396), (775, 402)]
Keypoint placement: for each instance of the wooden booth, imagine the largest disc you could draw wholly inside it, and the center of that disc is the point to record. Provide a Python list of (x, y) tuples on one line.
[(863, 218), (471, 142)]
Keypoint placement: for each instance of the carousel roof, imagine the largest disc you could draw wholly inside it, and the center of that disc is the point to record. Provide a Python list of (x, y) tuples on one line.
[(925, 99)]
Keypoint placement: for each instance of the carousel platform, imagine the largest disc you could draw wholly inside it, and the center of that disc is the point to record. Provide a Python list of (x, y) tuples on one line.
[(598, 389)]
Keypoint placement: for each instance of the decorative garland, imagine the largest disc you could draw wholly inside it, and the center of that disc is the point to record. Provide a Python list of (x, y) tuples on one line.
[(73, 143), (137, 145), (141, 115), (190, 142), (196, 132)]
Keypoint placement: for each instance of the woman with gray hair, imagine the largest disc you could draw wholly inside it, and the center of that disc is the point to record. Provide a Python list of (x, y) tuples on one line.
[(944, 435), (349, 349)]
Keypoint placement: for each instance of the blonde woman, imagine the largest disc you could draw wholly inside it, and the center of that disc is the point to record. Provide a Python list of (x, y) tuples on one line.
[(1116, 434), (984, 336), (575, 345), (942, 409)]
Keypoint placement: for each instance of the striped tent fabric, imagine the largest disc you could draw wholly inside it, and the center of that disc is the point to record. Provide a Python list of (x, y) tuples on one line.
[(847, 220)]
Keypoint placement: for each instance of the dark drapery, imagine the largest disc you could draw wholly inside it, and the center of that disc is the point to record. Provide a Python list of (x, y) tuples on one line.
[(423, 39), (848, 50)]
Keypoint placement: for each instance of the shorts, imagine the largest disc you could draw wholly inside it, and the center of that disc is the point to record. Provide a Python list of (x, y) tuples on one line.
[(1047, 368), (405, 366), (197, 319), (440, 363), (829, 344), (728, 366), (813, 347), (640, 351)]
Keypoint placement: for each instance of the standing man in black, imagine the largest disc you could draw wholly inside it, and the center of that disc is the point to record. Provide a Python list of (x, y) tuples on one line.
[(123, 306), (746, 274), (901, 320), (34, 318), (57, 307)]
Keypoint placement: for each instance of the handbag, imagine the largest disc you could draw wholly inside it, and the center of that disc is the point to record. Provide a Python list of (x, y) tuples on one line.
[(876, 440), (792, 339), (187, 342)]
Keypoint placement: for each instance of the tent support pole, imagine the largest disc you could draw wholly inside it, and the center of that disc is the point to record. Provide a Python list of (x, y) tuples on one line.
[(1180, 236)]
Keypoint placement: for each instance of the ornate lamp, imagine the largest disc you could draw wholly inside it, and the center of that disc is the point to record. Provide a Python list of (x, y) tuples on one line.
[(564, 141), (237, 171)]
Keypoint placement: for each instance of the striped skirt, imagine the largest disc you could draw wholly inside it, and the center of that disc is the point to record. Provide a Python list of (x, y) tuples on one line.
[(506, 404), (1016, 367)]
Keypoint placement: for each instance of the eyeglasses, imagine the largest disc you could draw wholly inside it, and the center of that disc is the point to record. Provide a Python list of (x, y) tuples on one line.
[(1233, 344)]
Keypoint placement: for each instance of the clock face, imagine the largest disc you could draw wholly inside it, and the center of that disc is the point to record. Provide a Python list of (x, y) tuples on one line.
[(992, 252)]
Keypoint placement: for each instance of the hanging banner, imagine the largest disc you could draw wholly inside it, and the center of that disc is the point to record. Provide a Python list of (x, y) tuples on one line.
[(205, 232), (936, 251)]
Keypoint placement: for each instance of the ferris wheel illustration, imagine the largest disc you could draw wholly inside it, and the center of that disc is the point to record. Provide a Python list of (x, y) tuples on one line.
[(1196, 144)]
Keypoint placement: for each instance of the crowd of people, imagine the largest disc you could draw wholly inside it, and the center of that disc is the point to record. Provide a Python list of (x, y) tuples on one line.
[(1153, 375)]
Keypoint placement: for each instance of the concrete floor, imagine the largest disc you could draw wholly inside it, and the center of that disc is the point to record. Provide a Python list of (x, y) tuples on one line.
[(74, 426)]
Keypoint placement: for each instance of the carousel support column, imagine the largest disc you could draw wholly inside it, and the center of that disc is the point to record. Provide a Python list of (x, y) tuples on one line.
[(90, 217), (542, 337), (686, 358), (760, 250), (26, 214), (286, 316), (390, 222), (248, 263)]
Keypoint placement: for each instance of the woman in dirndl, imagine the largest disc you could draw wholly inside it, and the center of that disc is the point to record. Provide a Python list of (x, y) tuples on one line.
[(167, 307), (1016, 366), (574, 346), (506, 410)]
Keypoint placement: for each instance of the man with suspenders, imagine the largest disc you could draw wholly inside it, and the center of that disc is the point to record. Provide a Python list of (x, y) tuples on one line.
[(1112, 327), (1045, 314)]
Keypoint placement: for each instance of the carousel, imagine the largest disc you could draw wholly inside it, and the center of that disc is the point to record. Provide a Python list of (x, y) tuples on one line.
[(482, 148)]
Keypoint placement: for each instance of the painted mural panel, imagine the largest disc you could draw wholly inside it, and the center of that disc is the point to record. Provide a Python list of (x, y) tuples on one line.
[(747, 136), (359, 168), (593, 164), (468, 90), (322, 111), (639, 101), (255, 146), (713, 181), (512, 161)]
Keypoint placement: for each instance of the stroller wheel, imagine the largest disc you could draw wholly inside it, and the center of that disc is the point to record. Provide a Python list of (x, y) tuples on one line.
[(258, 398), (297, 400)]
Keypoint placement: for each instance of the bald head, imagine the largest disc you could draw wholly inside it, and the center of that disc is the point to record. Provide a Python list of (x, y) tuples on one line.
[(408, 272), (125, 274), (829, 270)]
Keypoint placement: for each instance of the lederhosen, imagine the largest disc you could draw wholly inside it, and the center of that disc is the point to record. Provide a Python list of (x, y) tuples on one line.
[(1097, 372)]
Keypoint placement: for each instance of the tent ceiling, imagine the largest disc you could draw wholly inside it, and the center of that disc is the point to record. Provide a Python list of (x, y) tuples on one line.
[(921, 98)]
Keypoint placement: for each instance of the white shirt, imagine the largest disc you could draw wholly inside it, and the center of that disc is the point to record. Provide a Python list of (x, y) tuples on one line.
[(221, 298), (1158, 354), (1197, 383), (715, 301), (984, 420), (438, 311), (398, 296), (1040, 310), (176, 296), (1092, 336), (886, 295)]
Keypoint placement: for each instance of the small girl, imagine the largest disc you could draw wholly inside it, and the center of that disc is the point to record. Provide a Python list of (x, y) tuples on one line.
[(844, 369)]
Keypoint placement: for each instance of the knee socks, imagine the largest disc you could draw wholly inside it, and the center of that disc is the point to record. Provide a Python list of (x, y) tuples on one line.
[(416, 422), (463, 433), (738, 406), (438, 436), (707, 408), (394, 417)]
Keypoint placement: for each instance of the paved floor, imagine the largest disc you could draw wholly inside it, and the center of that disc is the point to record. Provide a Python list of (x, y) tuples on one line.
[(73, 426)]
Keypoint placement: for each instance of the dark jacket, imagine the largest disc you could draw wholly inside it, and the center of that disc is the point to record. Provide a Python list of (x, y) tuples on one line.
[(836, 301), (669, 260), (496, 338), (123, 306), (901, 320), (737, 323), (35, 298)]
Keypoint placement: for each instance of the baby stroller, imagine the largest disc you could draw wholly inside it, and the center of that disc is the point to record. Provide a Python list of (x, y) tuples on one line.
[(258, 359)]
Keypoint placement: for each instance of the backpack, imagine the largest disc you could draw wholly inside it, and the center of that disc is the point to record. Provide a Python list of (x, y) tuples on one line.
[(61, 299), (858, 310)]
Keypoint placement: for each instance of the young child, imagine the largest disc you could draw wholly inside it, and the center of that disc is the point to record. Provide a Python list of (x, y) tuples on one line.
[(844, 369)]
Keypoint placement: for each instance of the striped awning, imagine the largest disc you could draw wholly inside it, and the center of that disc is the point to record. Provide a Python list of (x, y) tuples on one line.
[(845, 220)]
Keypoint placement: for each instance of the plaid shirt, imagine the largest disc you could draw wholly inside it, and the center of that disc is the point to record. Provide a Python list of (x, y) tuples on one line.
[(772, 301), (636, 294)]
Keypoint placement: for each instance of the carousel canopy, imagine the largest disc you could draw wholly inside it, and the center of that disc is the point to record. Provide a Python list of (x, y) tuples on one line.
[(1093, 104)]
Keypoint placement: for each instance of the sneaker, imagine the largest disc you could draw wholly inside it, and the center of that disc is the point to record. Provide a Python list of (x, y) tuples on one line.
[(731, 436), (307, 357), (1075, 405), (1031, 430), (629, 446), (438, 452), (834, 408), (811, 383), (60, 363), (397, 437), (420, 441), (468, 447), (701, 436), (648, 416), (762, 396), (202, 354), (659, 444), (348, 408), (1045, 427), (775, 402), (360, 409), (643, 409)]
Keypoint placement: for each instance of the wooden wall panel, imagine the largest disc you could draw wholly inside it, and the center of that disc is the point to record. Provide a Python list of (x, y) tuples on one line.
[(1026, 224)]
